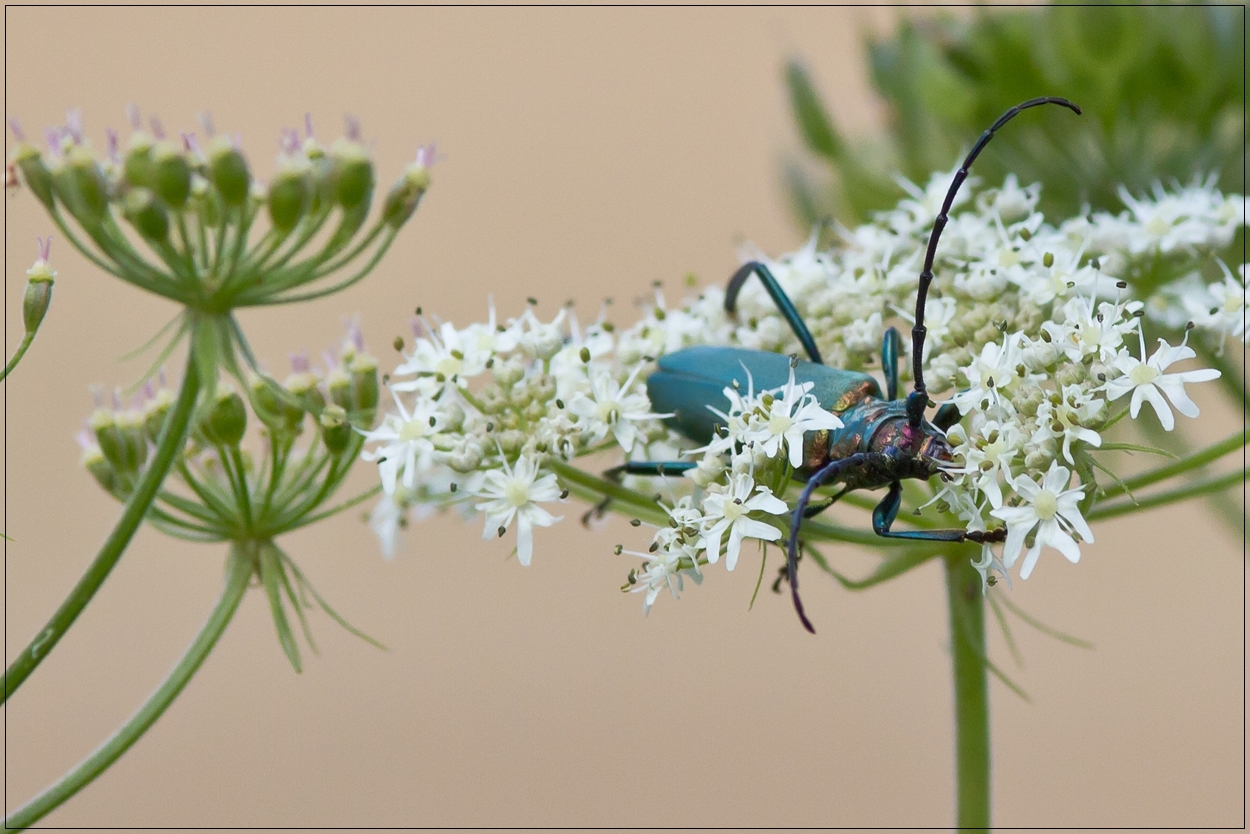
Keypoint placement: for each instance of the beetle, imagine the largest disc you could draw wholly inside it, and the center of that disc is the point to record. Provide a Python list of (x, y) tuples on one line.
[(883, 440)]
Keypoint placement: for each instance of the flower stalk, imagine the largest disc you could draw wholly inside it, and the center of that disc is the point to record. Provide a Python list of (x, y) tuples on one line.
[(241, 565), (35, 302), (966, 604), (169, 445)]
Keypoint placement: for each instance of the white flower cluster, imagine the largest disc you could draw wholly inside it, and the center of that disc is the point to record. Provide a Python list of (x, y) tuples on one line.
[(480, 411), (1029, 328), (740, 474)]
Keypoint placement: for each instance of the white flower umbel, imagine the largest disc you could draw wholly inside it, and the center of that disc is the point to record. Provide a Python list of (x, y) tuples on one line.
[(1050, 514), (1148, 382), (1028, 326), (729, 512), (516, 491)]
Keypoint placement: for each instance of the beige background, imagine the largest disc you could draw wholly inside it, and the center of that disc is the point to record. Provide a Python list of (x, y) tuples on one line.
[(587, 153)]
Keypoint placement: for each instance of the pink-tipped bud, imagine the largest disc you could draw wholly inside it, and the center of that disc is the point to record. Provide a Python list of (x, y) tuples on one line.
[(38, 288)]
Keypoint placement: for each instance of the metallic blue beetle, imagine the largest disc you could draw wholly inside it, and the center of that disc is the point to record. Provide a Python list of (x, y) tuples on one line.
[(883, 439)]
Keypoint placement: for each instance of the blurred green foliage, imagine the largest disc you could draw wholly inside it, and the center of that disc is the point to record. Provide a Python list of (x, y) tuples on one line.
[(1161, 88)]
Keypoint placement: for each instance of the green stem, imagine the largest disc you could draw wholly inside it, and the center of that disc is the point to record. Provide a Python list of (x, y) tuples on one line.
[(239, 569), (972, 714), (1199, 458), (168, 447), (588, 486), (21, 351), (1171, 496)]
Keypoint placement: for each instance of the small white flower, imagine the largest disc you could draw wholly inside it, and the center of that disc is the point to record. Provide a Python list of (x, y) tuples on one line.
[(1146, 379), (515, 491), (1051, 513), (408, 443), (987, 564), (385, 520), (991, 376), (1229, 301), (730, 511), (788, 413), (611, 407), (1068, 419), (662, 570), (989, 453), (450, 354)]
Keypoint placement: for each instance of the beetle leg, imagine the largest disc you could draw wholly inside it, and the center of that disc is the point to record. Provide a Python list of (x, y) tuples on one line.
[(830, 471), (779, 297), (654, 468), (885, 512), (814, 510), (891, 344)]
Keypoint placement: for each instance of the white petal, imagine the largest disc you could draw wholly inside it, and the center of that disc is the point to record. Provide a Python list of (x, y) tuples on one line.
[(1175, 389), (757, 529), (735, 544), (1151, 394), (1079, 525), (1059, 540), (768, 503), (524, 540), (388, 470), (1030, 560)]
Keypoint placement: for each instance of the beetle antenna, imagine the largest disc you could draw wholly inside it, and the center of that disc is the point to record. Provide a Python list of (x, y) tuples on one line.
[(920, 399)]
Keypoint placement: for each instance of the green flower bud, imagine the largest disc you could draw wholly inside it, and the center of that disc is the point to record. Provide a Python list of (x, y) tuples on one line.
[(336, 432), (267, 405), (492, 399), (155, 412), (29, 163), (170, 174), (82, 187), (364, 371), (39, 280), (453, 417), (103, 425), (135, 442), (511, 440), (207, 202), (509, 371), (406, 194), (147, 214), (288, 199), (1070, 375), (322, 183), (227, 169), (303, 384), (226, 419), (339, 384), (354, 173), (467, 457), (521, 396), (137, 166), (104, 474)]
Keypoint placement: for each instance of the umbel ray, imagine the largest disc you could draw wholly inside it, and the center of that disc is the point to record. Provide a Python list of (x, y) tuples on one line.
[(882, 441)]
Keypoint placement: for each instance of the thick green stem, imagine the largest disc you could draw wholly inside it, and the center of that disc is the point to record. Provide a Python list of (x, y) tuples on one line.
[(972, 713), (240, 566), (168, 448)]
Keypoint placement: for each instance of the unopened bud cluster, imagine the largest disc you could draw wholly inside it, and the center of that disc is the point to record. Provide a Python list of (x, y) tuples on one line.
[(197, 214), (311, 428)]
